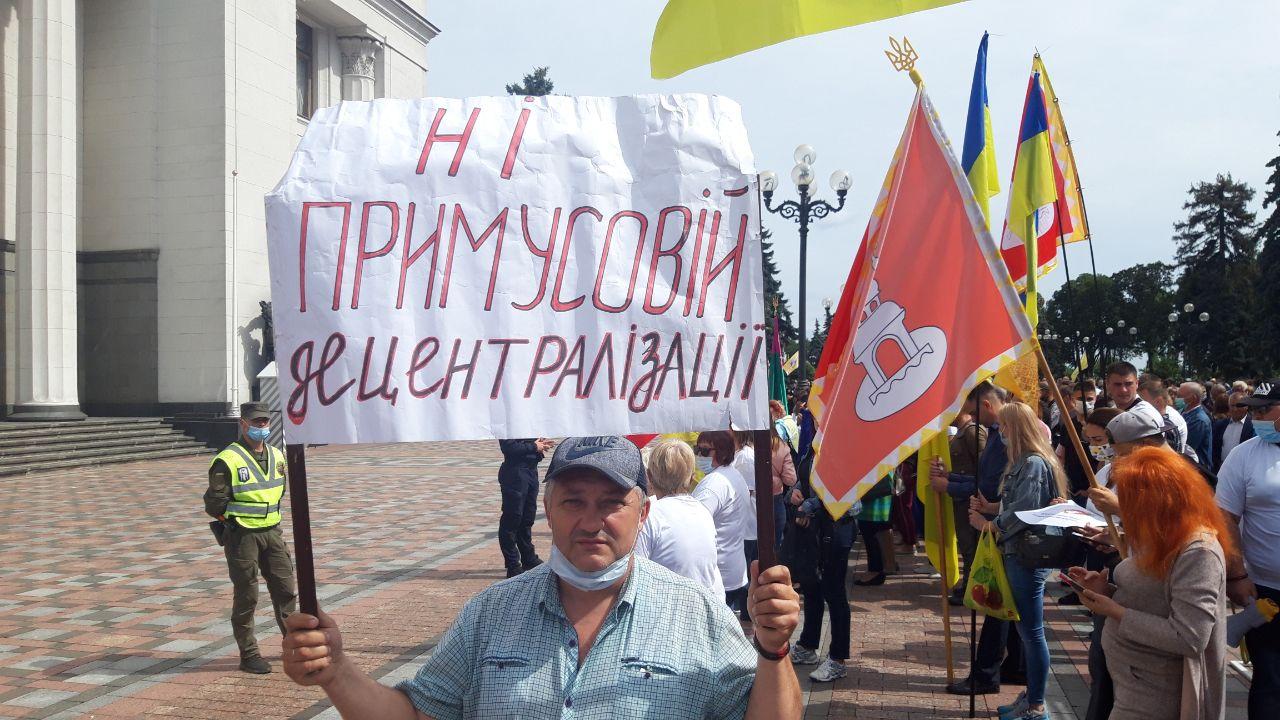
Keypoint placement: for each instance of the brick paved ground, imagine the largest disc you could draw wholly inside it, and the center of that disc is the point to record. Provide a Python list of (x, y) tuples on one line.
[(115, 607)]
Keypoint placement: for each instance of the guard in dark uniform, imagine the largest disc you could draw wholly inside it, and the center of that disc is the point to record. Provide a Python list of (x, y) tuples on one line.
[(518, 477), (246, 487)]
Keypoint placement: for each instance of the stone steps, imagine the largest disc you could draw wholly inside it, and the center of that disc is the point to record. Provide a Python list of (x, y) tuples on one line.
[(37, 447)]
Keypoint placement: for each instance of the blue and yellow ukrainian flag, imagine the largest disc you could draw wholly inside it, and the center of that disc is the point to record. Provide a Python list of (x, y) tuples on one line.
[(979, 156), (1033, 185)]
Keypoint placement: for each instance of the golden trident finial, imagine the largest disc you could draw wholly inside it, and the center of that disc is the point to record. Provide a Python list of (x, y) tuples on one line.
[(904, 57)]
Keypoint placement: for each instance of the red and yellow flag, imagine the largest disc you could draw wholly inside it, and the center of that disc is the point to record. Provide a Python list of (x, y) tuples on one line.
[(928, 311), (1077, 222)]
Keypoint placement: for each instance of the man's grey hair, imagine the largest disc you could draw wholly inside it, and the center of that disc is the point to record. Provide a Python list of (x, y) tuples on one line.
[(1195, 387)]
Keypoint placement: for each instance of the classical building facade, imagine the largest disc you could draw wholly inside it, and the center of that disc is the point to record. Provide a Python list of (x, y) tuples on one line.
[(139, 138)]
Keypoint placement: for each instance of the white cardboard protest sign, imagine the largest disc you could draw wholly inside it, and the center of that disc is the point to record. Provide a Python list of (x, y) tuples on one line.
[(518, 267)]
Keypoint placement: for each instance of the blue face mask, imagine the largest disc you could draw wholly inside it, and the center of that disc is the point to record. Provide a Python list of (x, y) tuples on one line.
[(588, 581), (704, 465), (258, 434), (1266, 431), (1180, 405)]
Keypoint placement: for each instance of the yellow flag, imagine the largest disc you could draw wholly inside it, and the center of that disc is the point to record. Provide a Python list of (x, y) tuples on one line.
[(692, 33), (1022, 378), (938, 541), (792, 364)]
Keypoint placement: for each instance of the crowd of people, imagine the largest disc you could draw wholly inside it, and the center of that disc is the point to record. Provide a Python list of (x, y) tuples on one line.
[(1189, 475)]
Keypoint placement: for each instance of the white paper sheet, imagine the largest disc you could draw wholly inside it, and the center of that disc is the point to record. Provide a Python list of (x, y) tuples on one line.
[(1063, 515)]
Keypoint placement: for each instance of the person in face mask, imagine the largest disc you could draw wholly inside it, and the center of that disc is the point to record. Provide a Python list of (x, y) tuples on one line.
[(1249, 494), (725, 494), (594, 632), (1190, 404), (1086, 397), (246, 487), (1094, 432)]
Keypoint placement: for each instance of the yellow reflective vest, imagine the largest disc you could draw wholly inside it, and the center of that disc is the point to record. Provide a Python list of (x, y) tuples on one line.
[(255, 496)]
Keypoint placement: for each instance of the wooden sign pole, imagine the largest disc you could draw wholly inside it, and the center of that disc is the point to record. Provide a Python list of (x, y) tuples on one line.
[(765, 551), (300, 515)]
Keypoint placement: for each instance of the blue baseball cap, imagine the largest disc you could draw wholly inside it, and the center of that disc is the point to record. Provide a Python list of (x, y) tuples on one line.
[(611, 455)]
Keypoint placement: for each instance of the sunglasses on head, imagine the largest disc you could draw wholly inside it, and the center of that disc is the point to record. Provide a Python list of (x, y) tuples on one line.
[(702, 451)]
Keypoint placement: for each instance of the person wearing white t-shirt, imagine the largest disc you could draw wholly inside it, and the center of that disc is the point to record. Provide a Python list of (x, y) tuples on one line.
[(723, 492), (744, 461), (679, 533), (1249, 493)]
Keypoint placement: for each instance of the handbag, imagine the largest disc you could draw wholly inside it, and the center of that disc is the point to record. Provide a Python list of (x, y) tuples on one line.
[(799, 552), (988, 590), (1040, 546)]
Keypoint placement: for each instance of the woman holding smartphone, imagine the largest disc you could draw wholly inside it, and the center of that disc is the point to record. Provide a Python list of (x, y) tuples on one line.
[(1165, 635)]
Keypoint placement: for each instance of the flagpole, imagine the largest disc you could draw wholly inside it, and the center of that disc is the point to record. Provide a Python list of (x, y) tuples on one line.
[(942, 571), (1084, 212), (1071, 301), (905, 58), (1079, 447)]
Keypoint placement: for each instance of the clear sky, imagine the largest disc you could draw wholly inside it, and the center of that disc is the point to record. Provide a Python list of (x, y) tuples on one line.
[(1156, 95)]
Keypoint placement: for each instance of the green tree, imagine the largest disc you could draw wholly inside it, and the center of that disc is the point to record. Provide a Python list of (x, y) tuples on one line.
[(817, 341), (1083, 308), (1147, 294), (1217, 254), (1268, 282), (535, 83), (773, 293)]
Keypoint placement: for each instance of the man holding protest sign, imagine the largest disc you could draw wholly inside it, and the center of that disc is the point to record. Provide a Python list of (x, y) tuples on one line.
[(523, 267), (595, 631)]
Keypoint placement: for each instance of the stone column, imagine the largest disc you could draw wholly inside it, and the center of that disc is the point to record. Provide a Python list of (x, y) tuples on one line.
[(359, 58), (46, 193)]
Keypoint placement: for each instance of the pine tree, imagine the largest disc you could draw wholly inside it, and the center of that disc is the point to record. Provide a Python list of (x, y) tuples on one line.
[(773, 292), (816, 342), (1268, 283), (1217, 253), (535, 83)]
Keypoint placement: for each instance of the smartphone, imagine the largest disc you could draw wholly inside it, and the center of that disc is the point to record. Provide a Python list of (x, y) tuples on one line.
[(1072, 582), (1079, 532)]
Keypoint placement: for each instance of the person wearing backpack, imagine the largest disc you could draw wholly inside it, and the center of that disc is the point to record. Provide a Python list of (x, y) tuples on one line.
[(1033, 478)]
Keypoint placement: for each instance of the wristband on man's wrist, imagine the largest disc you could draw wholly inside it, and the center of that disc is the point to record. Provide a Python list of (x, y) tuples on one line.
[(774, 657), (1238, 578)]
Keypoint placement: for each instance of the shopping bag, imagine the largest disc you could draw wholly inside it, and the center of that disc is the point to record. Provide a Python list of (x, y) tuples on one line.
[(988, 588)]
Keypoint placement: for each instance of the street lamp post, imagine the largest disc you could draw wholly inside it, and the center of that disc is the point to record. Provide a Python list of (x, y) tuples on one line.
[(1114, 340), (1188, 311), (807, 209)]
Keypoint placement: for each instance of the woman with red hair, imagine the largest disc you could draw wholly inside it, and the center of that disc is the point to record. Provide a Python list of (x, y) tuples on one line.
[(1165, 636)]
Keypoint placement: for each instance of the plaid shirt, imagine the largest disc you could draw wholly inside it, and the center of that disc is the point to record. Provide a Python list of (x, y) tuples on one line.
[(667, 649)]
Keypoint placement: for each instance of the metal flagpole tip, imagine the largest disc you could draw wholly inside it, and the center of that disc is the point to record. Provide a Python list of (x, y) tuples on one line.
[(903, 57)]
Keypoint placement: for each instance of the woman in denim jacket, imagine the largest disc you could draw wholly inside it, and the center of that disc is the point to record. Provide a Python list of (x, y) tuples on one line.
[(1032, 479)]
